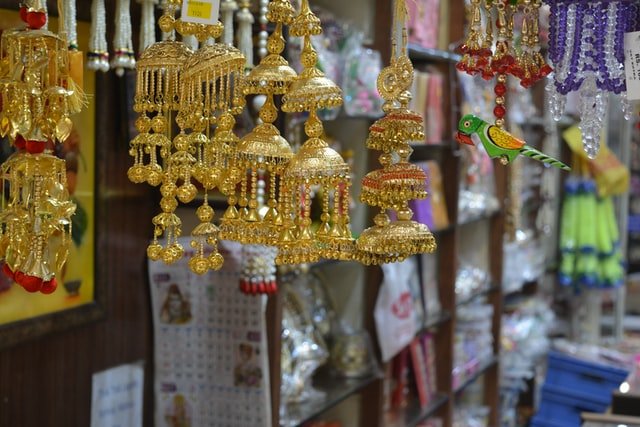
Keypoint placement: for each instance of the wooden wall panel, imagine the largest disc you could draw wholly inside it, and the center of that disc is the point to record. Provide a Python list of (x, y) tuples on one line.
[(47, 382)]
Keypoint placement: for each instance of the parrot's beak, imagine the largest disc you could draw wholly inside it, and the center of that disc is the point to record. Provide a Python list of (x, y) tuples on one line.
[(464, 138)]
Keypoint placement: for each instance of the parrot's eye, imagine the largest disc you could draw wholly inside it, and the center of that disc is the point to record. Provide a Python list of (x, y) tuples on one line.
[(467, 124)]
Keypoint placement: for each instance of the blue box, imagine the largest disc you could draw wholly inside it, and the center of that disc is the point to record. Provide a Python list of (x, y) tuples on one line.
[(558, 407), (581, 379)]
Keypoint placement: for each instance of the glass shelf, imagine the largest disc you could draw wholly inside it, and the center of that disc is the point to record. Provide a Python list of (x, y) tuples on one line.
[(484, 367), (492, 287), (419, 53), (335, 391), (413, 414)]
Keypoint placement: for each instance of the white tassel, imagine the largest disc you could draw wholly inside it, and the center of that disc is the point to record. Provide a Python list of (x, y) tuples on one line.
[(191, 41), (263, 35), (147, 24), (70, 24), (245, 42), (98, 50), (227, 8), (122, 43)]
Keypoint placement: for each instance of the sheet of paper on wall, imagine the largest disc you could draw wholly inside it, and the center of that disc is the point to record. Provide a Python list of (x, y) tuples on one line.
[(116, 399), (211, 361)]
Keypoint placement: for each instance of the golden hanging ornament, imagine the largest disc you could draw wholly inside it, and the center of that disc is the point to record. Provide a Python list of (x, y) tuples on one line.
[(263, 151), (40, 89), (398, 182), (316, 165), (160, 70)]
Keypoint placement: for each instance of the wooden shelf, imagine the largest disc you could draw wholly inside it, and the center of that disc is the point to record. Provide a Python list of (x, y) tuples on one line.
[(484, 367), (413, 413), (336, 390), (418, 53)]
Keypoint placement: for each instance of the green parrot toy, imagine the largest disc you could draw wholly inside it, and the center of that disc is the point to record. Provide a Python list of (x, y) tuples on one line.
[(499, 143)]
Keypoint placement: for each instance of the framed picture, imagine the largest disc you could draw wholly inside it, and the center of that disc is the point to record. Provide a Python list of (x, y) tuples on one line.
[(79, 297)]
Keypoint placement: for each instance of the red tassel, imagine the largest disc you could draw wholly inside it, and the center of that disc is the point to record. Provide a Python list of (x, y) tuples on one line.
[(49, 286)]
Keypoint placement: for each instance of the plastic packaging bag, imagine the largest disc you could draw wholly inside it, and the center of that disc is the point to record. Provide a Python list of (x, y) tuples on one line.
[(394, 312), (362, 67)]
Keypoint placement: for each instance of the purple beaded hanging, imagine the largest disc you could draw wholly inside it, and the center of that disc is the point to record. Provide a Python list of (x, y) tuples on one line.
[(586, 47)]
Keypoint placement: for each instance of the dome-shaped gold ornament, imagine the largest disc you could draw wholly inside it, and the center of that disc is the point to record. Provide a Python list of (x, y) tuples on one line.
[(263, 151), (398, 181), (315, 165), (40, 90)]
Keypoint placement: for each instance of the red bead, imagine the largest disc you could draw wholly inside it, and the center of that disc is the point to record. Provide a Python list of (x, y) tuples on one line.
[(19, 142), (499, 111), (487, 73), (7, 271), (500, 89), (461, 66), (18, 277), (36, 20), (35, 147), (49, 286), (545, 70), (31, 283), (23, 14)]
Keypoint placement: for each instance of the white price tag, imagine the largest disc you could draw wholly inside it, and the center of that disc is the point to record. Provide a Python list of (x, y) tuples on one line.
[(200, 11), (632, 64)]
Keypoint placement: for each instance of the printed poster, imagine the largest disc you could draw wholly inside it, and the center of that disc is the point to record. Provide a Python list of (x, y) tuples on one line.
[(211, 360)]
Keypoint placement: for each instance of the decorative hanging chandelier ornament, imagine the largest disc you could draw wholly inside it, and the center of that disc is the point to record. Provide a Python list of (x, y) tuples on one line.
[(586, 46), (123, 55), (159, 75), (315, 165), (491, 52), (398, 182), (40, 91), (263, 151), (98, 54)]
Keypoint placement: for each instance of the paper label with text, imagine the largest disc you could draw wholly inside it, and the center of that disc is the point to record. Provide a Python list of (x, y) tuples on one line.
[(632, 64), (200, 11)]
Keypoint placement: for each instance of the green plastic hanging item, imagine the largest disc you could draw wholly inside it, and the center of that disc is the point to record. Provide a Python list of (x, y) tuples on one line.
[(587, 255), (568, 232)]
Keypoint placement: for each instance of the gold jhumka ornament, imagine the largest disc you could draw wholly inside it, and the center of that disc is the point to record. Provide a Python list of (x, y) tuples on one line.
[(212, 94), (263, 151), (398, 182), (314, 165), (157, 101), (198, 90), (40, 90)]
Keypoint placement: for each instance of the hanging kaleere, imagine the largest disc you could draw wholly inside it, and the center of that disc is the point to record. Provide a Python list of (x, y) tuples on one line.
[(211, 95), (159, 74), (586, 47), (258, 268), (398, 182), (39, 93), (263, 152), (123, 54), (491, 52), (98, 54), (314, 165)]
